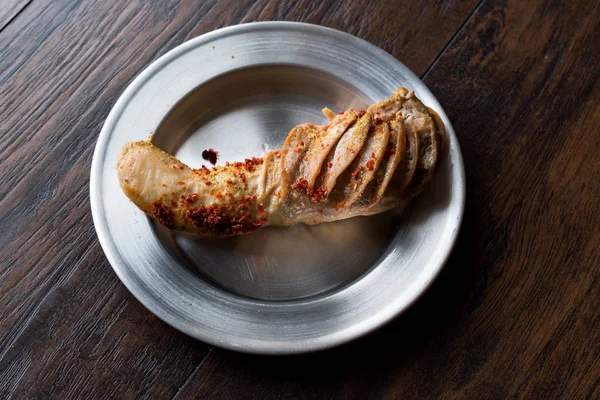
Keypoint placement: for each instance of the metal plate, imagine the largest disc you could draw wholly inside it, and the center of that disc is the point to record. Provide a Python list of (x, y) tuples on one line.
[(240, 90)]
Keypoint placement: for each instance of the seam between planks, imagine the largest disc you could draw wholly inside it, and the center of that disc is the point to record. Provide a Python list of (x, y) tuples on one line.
[(11, 19), (184, 384), (452, 39)]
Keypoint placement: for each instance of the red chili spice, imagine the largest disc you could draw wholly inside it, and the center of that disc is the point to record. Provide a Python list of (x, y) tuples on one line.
[(361, 113), (261, 210), (211, 156), (190, 198), (162, 214), (218, 221), (370, 165), (249, 164), (207, 182), (378, 120), (357, 172), (301, 186), (318, 194), (329, 164), (202, 171)]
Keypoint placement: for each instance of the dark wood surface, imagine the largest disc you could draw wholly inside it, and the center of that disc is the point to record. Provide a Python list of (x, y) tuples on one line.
[(515, 312)]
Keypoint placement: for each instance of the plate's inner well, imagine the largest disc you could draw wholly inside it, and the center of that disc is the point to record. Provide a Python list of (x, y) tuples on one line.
[(245, 113)]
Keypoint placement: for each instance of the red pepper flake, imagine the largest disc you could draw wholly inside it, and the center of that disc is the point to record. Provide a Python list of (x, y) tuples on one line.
[(357, 172), (162, 214), (219, 195), (217, 221), (297, 149), (211, 156), (370, 165), (190, 198), (302, 143), (301, 186), (305, 158), (318, 194), (207, 182), (341, 204), (379, 181), (341, 113), (329, 164), (249, 164), (361, 113), (164, 185), (390, 150), (202, 171), (180, 182), (378, 120), (178, 166), (260, 209)]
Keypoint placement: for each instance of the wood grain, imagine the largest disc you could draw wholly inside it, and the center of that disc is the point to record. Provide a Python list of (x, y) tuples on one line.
[(68, 327), (9, 9)]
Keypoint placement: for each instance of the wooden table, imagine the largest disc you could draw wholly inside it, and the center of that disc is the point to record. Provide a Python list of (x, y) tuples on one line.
[(515, 313)]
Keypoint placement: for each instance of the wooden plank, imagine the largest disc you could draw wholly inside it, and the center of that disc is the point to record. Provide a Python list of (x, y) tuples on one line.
[(515, 312), (68, 327), (10, 9)]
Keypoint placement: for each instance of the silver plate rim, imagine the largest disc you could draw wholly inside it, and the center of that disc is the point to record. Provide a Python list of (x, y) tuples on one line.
[(242, 345)]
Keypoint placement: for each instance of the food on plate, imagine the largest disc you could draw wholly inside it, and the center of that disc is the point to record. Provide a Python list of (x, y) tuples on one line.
[(361, 163)]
